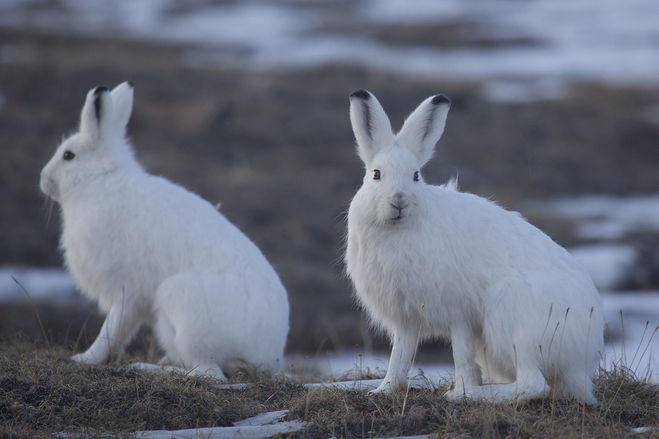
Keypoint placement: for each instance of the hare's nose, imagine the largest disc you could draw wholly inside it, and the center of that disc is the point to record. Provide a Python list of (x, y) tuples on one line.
[(398, 201)]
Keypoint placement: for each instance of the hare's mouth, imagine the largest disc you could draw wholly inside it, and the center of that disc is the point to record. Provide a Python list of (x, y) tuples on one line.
[(49, 188), (398, 217), (398, 213)]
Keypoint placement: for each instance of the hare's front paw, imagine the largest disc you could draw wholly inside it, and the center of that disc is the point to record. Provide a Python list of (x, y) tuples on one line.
[(87, 358), (382, 388), (387, 386)]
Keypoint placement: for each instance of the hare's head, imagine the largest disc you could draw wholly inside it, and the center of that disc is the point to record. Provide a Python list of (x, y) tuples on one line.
[(393, 182), (98, 148)]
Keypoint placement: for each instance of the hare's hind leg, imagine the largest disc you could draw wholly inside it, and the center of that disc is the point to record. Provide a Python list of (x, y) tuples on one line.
[(467, 372), (529, 385), (199, 318)]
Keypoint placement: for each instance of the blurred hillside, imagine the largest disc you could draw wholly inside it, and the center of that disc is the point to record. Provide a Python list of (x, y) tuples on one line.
[(276, 149)]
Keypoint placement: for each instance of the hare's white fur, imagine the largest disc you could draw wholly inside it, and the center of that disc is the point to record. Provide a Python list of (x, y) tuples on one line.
[(149, 251), (432, 262)]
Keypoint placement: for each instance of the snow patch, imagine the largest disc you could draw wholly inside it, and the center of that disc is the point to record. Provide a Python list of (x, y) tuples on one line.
[(603, 217), (633, 318), (508, 91), (346, 369), (607, 264), (243, 432), (263, 418), (37, 283), (607, 40)]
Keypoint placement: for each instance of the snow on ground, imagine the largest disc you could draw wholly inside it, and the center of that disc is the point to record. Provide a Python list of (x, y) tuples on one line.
[(608, 264), (633, 318), (603, 217), (349, 366), (260, 426), (577, 40), (35, 283)]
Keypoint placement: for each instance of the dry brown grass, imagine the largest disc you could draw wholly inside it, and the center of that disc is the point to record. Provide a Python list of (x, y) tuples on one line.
[(42, 392), (626, 402)]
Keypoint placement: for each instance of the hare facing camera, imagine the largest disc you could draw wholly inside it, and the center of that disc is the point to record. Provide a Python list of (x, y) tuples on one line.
[(523, 318), (151, 252)]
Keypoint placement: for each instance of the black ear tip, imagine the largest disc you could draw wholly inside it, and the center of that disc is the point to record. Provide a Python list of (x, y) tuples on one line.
[(99, 90), (361, 94), (131, 83), (441, 99)]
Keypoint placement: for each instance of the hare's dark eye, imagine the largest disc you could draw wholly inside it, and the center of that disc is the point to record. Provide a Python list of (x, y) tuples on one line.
[(376, 174), (416, 176), (68, 155)]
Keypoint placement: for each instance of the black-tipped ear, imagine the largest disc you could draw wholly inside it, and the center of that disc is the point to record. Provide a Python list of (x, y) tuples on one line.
[(98, 92), (369, 123), (441, 99), (96, 112), (365, 120), (360, 94), (424, 127)]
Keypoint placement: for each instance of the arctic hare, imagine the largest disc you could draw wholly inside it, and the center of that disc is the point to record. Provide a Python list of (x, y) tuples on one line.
[(432, 262), (149, 251)]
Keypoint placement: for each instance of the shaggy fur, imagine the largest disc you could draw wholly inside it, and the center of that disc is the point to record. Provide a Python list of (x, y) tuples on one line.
[(432, 262), (149, 251)]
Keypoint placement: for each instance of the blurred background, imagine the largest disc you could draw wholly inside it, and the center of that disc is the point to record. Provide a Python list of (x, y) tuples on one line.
[(555, 114)]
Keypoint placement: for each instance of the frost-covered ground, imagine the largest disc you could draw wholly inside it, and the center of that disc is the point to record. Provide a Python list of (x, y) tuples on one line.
[(524, 50)]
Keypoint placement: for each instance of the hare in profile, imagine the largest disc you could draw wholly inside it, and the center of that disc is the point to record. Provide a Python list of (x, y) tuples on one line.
[(149, 251), (433, 262)]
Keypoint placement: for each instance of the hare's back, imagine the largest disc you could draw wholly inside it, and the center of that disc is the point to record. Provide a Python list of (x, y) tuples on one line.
[(180, 227), (480, 229)]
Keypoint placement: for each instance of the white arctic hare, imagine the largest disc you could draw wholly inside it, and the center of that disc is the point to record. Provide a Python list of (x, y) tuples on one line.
[(149, 251), (432, 262)]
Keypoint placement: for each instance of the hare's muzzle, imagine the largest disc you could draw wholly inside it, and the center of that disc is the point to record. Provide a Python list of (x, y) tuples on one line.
[(47, 185), (398, 203)]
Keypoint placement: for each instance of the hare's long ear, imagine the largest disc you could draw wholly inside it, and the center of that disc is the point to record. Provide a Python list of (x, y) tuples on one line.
[(122, 106), (370, 124), (96, 115), (423, 128)]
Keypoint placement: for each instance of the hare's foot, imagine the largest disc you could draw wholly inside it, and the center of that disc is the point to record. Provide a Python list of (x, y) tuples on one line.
[(209, 370), (388, 386), (88, 357), (402, 352), (533, 386)]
